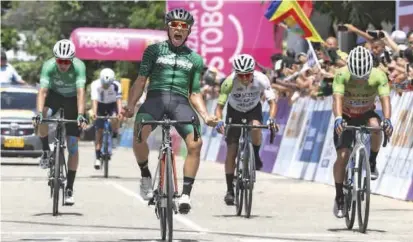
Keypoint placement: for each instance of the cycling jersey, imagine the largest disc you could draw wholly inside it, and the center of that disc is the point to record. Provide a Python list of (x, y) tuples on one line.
[(102, 95), (359, 95), (244, 98), (63, 83), (171, 69)]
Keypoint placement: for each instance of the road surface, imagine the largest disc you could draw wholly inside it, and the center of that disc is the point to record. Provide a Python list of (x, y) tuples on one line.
[(111, 209)]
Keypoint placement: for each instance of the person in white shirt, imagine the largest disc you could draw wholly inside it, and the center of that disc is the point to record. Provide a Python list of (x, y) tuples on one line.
[(106, 95), (9, 75)]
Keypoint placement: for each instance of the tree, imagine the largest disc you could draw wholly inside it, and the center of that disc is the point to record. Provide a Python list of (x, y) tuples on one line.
[(358, 13), (51, 21)]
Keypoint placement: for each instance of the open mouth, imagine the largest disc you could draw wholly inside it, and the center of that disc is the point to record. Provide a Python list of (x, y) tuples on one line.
[(178, 37)]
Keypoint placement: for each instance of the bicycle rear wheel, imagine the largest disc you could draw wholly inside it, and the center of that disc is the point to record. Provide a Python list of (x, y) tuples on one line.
[(239, 188), (249, 168), (349, 204), (170, 192), (56, 181), (160, 198), (363, 192), (106, 155)]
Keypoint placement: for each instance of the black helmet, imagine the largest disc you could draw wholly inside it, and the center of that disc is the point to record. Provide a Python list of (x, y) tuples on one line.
[(179, 14)]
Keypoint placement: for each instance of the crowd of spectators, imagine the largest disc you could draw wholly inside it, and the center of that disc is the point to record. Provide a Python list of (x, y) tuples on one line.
[(292, 76)]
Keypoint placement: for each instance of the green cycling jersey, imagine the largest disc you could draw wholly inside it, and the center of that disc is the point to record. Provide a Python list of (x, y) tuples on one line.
[(359, 95), (171, 69), (64, 83)]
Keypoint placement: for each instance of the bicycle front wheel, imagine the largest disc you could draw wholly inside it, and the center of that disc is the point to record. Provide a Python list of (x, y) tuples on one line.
[(160, 198), (363, 191), (239, 188), (56, 180), (349, 204), (249, 174), (170, 192)]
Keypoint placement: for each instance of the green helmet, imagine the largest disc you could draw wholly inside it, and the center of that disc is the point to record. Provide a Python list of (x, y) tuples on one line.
[(179, 14)]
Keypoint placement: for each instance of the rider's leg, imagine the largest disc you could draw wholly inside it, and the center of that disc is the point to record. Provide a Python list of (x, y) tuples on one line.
[(192, 161), (375, 141), (98, 145), (256, 143), (343, 152), (115, 127), (232, 149)]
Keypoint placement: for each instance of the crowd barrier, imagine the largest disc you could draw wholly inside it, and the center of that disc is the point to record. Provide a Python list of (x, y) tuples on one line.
[(304, 147)]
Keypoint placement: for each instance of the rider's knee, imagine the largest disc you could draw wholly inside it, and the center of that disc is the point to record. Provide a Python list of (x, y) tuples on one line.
[(194, 146), (342, 155), (72, 145)]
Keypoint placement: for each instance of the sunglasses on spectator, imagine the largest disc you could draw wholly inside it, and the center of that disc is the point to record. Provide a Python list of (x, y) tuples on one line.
[(63, 61), (244, 75), (175, 24)]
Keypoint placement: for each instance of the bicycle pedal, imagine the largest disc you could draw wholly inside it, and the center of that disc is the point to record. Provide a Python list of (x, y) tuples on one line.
[(151, 201)]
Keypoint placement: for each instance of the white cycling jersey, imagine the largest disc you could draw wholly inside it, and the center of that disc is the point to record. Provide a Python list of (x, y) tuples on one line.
[(244, 98), (110, 95)]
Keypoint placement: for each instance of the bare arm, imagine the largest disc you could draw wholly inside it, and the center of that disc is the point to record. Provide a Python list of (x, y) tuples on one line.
[(197, 101), (41, 99), (81, 101), (218, 111), (136, 92), (95, 107), (273, 108), (338, 104), (386, 106)]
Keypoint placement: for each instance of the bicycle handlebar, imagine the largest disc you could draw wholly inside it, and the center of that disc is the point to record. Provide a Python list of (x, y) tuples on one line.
[(249, 126), (366, 129), (106, 117), (168, 123), (58, 120)]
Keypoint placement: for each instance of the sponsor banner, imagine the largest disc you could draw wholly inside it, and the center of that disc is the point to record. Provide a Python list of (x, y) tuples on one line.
[(269, 152), (114, 44), (291, 134), (224, 29), (404, 15)]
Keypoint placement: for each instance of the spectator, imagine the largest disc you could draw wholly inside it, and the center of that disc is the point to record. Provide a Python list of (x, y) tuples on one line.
[(8, 74)]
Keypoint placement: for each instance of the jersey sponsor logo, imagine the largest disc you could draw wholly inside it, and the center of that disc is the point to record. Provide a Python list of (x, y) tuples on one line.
[(171, 60), (352, 94)]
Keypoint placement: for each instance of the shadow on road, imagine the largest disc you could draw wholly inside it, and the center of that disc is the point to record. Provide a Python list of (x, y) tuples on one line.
[(60, 214), (355, 230), (242, 216)]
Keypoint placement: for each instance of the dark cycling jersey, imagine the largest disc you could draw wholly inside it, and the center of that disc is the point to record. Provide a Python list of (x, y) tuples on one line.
[(170, 70)]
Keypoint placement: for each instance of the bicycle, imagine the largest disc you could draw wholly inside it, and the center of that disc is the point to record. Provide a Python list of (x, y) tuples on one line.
[(245, 166), (358, 171), (166, 190), (58, 168), (106, 149)]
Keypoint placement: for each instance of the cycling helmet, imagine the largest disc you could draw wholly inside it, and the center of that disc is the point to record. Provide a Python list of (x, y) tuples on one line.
[(179, 14), (64, 49), (107, 76), (360, 62), (243, 63)]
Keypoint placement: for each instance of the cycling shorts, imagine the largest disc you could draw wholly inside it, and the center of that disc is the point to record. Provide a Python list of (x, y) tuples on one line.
[(105, 109)]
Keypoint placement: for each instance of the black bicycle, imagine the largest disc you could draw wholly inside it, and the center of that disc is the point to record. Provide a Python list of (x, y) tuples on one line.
[(165, 183), (245, 165), (356, 186), (58, 169), (106, 149)]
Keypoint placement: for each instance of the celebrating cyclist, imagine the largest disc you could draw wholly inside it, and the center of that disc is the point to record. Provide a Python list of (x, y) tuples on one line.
[(175, 73), (243, 89), (106, 96), (62, 85), (355, 88)]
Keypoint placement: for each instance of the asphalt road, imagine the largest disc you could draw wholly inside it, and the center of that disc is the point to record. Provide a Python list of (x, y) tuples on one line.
[(111, 209)]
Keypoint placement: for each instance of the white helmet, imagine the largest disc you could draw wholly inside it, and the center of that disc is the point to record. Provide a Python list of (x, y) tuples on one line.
[(107, 76), (64, 49), (243, 63), (360, 62)]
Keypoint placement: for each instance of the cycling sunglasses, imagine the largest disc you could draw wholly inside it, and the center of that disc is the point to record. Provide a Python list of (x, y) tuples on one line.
[(63, 61), (175, 24), (244, 75)]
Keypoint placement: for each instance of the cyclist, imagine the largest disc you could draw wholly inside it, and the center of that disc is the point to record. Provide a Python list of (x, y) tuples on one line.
[(62, 85), (175, 74), (355, 88), (106, 95), (243, 89)]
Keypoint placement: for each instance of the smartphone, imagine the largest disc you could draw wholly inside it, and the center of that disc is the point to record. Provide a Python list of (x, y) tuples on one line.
[(373, 33), (342, 28)]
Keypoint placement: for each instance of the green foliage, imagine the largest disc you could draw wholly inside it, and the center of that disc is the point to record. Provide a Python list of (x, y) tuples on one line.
[(47, 22), (9, 38)]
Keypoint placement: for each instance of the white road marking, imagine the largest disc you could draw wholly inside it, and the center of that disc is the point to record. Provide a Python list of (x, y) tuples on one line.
[(187, 222)]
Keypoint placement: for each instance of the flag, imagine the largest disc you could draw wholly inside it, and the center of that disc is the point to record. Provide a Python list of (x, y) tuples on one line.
[(282, 10)]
